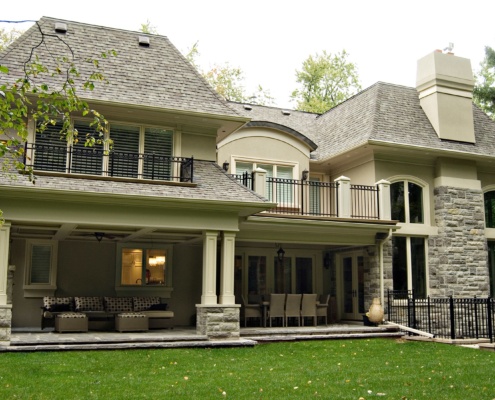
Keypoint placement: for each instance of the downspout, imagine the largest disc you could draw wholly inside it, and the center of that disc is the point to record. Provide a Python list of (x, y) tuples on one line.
[(382, 288)]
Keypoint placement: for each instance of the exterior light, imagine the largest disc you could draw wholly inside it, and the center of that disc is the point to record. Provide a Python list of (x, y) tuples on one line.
[(305, 175), (225, 166), (280, 254), (99, 236)]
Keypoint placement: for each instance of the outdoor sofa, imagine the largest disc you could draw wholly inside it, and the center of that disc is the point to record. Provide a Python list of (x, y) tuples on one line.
[(101, 311)]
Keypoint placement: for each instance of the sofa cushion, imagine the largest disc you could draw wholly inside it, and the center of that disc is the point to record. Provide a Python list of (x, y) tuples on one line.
[(89, 304), (58, 304), (118, 304), (144, 303)]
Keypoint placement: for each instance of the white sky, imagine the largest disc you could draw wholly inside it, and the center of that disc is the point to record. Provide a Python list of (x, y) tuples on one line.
[(269, 39)]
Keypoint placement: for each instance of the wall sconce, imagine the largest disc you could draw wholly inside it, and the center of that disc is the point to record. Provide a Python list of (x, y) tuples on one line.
[(225, 166), (327, 261), (305, 175), (280, 254), (99, 236)]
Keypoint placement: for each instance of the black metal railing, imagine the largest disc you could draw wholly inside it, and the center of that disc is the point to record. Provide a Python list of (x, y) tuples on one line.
[(444, 317), (97, 161), (364, 202)]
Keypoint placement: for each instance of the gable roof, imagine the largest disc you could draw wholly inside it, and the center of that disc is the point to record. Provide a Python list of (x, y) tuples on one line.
[(157, 76)]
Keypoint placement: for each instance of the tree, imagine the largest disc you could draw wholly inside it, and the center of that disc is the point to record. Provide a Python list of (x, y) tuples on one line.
[(484, 90), (148, 28), (7, 37), (46, 92), (228, 81), (325, 81)]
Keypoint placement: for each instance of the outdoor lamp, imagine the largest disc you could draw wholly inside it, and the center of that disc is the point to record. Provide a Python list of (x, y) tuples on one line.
[(305, 175), (225, 166), (280, 254)]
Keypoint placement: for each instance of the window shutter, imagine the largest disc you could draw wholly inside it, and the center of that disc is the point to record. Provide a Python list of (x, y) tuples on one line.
[(50, 149), (86, 160), (158, 151), (40, 264), (124, 157)]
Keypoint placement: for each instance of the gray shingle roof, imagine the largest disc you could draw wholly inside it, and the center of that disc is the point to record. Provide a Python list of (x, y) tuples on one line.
[(212, 185), (155, 76)]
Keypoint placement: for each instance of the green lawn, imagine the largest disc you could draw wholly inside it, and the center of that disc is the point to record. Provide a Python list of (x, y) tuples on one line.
[(344, 369)]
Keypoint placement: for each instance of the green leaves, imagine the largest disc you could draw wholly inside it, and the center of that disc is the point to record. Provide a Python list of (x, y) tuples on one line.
[(325, 81), (484, 91)]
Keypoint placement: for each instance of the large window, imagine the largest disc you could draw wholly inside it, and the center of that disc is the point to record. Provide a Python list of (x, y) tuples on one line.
[(137, 152), (490, 209), (293, 275), (407, 202), (409, 264)]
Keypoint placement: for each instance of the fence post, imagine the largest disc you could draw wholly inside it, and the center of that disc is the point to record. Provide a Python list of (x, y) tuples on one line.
[(452, 317), (429, 315), (343, 197), (259, 177), (384, 205), (489, 316)]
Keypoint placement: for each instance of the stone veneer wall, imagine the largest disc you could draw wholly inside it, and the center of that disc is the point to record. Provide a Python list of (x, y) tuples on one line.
[(218, 321), (372, 273), (6, 310), (458, 256)]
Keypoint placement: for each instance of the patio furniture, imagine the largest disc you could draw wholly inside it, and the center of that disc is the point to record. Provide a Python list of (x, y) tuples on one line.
[(131, 322), (71, 322), (293, 308), (308, 307), (251, 311), (322, 309), (277, 307)]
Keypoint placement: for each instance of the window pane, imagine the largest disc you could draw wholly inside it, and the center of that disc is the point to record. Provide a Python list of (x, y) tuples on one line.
[(490, 209), (304, 275), (397, 201), (50, 150), (418, 267), (156, 262), (40, 264), (269, 183), (124, 158), (399, 263), (415, 203), (158, 149), (285, 189), (86, 160), (283, 275), (491, 266), (348, 289), (256, 278), (132, 267), (360, 282)]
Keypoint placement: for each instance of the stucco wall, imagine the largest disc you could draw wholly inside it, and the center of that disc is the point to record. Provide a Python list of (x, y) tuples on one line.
[(201, 147)]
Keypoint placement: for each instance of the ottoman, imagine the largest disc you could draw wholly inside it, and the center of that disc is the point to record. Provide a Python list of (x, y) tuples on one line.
[(71, 322), (131, 321)]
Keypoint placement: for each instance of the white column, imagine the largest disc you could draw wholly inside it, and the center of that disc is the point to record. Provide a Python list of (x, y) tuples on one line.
[(209, 295), (259, 177), (4, 261), (344, 197), (227, 295), (384, 206)]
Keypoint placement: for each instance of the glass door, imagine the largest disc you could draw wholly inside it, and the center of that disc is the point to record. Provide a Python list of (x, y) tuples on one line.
[(353, 286)]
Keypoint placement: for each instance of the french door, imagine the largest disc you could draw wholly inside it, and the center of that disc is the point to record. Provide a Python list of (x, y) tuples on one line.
[(352, 267)]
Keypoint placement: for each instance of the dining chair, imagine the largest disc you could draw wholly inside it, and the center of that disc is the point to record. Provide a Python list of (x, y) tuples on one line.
[(277, 307), (308, 307), (251, 311), (293, 308), (322, 308)]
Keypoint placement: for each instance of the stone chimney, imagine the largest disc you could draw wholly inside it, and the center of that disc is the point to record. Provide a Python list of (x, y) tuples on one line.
[(445, 86)]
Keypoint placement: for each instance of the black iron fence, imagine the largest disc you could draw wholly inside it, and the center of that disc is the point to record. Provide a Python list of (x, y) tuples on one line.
[(364, 202), (97, 161), (444, 317)]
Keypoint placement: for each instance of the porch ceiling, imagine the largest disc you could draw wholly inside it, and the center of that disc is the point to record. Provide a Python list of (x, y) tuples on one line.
[(82, 232)]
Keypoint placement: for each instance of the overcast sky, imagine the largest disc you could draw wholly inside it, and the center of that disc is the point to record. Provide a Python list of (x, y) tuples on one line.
[(269, 39)]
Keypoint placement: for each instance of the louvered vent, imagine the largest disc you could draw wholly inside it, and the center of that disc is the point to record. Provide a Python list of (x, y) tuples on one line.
[(60, 27), (144, 41)]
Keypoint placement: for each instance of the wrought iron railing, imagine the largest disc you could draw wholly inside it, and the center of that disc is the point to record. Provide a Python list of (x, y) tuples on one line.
[(96, 161), (444, 317), (364, 202)]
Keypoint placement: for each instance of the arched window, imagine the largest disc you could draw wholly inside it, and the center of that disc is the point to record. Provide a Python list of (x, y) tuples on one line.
[(407, 202), (490, 209)]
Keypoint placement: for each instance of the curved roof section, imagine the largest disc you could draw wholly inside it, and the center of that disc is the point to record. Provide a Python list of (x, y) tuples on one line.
[(157, 76), (298, 124)]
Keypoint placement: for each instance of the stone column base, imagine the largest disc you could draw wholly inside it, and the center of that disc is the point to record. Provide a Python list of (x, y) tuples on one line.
[(5, 324), (218, 321)]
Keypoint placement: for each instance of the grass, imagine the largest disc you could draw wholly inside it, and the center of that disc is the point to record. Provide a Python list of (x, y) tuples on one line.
[(350, 369)]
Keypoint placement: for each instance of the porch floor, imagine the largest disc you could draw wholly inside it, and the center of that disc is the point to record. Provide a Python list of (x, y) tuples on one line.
[(36, 340)]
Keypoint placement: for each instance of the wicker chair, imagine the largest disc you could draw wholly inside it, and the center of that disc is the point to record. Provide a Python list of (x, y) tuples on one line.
[(293, 308), (308, 307), (251, 311), (277, 307), (322, 309)]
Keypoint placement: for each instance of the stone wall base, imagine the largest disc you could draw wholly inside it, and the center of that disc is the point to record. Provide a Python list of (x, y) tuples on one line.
[(5, 324), (218, 321)]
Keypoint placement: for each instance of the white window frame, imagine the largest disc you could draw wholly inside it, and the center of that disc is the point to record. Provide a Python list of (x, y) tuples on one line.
[(46, 288), (152, 290)]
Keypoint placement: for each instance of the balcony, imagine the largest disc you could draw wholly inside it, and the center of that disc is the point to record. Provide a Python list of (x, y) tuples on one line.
[(338, 199), (98, 162)]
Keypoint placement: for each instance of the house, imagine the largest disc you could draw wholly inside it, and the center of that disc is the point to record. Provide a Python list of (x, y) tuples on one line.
[(203, 201)]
